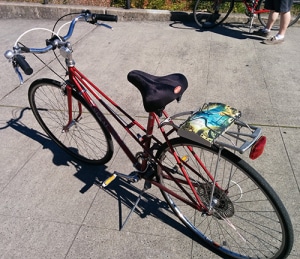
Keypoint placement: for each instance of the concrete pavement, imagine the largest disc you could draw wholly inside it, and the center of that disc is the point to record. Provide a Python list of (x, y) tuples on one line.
[(49, 204)]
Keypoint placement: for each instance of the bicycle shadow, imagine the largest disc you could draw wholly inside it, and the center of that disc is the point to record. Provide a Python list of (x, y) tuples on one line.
[(59, 157), (127, 194), (124, 192), (233, 30), (236, 30)]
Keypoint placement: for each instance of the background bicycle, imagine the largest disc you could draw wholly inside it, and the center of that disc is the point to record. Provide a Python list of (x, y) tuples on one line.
[(210, 13)]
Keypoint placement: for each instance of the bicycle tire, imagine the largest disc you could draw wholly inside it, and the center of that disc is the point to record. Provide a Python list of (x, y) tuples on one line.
[(210, 13), (251, 206), (295, 14), (87, 140)]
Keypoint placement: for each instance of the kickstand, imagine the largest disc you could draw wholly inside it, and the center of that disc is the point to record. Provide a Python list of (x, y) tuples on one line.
[(147, 186), (251, 24)]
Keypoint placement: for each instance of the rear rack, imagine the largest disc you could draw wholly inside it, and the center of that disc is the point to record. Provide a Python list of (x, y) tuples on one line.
[(216, 124), (243, 140)]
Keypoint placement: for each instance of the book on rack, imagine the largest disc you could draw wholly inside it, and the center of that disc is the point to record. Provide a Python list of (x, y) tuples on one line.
[(210, 122)]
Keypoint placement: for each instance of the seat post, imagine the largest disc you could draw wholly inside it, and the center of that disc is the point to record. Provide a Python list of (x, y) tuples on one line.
[(147, 139), (150, 124)]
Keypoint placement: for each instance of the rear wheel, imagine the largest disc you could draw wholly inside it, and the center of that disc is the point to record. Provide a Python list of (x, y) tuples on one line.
[(247, 220), (210, 13), (85, 138), (295, 14)]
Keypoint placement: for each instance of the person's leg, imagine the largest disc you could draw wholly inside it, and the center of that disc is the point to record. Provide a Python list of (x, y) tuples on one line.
[(271, 20), (265, 31), (285, 19)]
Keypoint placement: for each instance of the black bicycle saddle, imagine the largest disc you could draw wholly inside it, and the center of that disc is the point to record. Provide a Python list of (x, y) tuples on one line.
[(158, 91)]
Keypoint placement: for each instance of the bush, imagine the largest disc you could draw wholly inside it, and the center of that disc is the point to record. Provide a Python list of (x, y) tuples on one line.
[(172, 5)]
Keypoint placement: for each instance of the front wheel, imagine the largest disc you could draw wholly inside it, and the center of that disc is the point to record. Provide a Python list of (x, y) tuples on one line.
[(210, 13), (85, 138), (295, 14), (247, 219)]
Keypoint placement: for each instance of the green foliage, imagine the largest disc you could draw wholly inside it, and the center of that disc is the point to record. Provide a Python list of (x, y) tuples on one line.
[(172, 5), (239, 7)]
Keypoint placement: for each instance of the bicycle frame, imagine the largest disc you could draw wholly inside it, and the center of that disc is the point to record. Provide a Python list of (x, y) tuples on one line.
[(87, 90), (240, 214), (252, 9), (251, 6), (146, 161), (84, 86)]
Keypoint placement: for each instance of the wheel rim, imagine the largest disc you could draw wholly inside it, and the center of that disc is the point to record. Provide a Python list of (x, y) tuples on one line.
[(83, 139), (245, 223)]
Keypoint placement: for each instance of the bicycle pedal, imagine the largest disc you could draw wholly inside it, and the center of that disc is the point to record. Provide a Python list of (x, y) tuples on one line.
[(133, 177), (109, 180)]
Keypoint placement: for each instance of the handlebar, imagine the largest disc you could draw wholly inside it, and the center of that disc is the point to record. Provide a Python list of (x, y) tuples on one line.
[(20, 60), (55, 42)]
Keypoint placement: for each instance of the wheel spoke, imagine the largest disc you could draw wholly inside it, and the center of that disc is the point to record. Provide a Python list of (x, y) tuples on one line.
[(247, 218), (85, 138), (210, 13)]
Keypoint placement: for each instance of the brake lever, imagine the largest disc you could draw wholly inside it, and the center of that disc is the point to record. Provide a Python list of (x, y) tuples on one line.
[(104, 25), (17, 70), (10, 56)]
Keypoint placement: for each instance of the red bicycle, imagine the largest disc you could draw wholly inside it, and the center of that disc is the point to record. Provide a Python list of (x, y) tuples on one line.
[(226, 203), (210, 13)]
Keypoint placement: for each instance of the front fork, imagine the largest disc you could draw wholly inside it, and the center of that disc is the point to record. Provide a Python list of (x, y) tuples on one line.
[(71, 122)]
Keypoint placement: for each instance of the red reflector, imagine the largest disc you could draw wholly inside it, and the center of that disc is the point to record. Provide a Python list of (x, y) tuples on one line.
[(258, 148)]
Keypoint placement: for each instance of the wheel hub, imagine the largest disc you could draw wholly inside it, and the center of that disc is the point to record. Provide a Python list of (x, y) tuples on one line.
[(221, 204)]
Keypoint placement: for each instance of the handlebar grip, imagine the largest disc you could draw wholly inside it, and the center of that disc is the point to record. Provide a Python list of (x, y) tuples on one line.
[(20, 60), (104, 17)]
